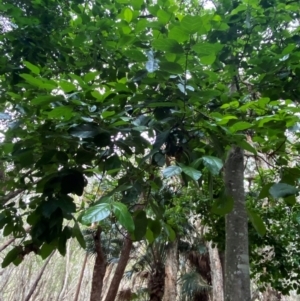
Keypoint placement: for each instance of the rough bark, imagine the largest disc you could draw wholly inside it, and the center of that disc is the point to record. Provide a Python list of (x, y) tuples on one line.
[(216, 273), (99, 268), (237, 278), (171, 269), (157, 283), (80, 277), (123, 260), (38, 278), (107, 279)]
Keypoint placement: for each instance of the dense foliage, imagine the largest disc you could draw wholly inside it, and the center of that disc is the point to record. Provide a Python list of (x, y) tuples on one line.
[(138, 93)]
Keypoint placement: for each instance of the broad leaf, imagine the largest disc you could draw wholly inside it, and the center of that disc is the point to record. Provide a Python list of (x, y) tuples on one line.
[(282, 190), (170, 67), (84, 131), (140, 223), (213, 164), (240, 126), (32, 68), (167, 45), (191, 172), (78, 234), (257, 222), (223, 205), (10, 256), (191, 24), (264, 193), (171, 171), (96, 213), (123, 216)]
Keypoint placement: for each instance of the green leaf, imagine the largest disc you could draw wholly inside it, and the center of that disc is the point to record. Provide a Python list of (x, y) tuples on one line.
[(264, 193), (170, 232), (46, 99), (31, 67), (85, 131), (163, 16), (46, 250), (91, 76), (213, 164), (96, 213), (207, 48), (135, 55), (8, 229), (171, 171), (11, 256), (173, 68), (191, 24), (107, 114), (240, 126), (297, 217), (97, 95), (140, 224), (33, 80), (65, 202), (191, 172), (127, 14), (168, 45), (149, 236), (78, 234), (178, 34), (63, 112), (208, 59), (223, 205), (290, 200), (282, 190), (257, 222), (67, 87), (123, 216), (246, 146), (155, 227)]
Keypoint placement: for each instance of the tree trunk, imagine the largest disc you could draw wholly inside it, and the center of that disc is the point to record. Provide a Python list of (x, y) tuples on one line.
[(157, 283), (237, 278), (99, 268), (38, 278), (171, 269), (123, 260), (216, 273), (80, 277)]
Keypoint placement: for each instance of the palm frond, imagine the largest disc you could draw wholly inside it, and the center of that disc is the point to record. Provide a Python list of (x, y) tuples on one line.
[(192, 284)]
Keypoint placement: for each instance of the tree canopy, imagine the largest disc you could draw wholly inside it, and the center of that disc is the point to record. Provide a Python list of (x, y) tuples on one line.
[(144, 95)]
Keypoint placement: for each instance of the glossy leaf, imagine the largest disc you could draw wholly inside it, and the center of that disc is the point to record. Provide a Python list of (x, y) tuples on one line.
[(172, 171), (213, 164), (191, 172), (84, 131), (96, 213), (123, 216)]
